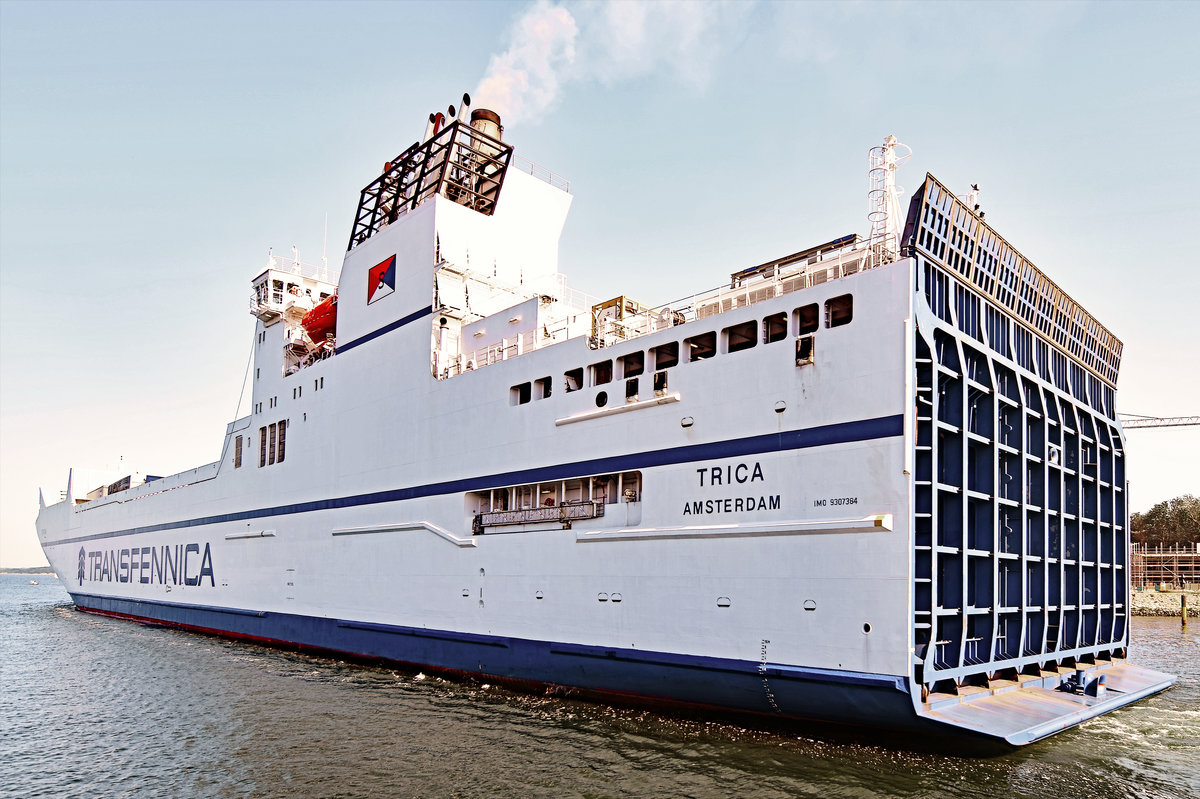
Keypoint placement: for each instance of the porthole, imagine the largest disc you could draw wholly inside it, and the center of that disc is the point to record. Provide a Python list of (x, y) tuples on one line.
[(601, 399)]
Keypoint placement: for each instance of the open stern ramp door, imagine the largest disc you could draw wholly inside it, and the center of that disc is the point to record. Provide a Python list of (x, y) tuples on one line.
[(1024, 713), (1020, 557)]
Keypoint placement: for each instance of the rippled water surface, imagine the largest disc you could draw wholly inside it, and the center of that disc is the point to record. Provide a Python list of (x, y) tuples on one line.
[(96, 707)]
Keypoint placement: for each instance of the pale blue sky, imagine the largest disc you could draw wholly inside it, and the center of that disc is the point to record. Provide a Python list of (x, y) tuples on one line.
[(151, 153)]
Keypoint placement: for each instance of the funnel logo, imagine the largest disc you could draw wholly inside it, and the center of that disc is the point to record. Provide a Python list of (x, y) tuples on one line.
[(82, 561), (381, 279)]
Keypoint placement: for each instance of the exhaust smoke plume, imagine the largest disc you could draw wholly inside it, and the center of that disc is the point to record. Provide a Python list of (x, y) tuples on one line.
[(553, 44)]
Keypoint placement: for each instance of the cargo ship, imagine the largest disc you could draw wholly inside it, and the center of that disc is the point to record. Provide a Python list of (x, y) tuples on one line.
[(877, 481)]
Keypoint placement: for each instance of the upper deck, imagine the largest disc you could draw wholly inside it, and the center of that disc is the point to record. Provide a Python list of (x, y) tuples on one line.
[(573, 314)]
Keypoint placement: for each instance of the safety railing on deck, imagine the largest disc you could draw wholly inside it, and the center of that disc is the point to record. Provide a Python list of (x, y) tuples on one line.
[(321, 272), (822, 268), (541, 173)]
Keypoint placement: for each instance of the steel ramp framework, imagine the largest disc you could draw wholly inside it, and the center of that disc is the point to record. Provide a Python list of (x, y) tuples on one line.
[(1020, 520)]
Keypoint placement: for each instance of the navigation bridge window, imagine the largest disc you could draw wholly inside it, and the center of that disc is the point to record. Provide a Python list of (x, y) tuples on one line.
[(556, 502)]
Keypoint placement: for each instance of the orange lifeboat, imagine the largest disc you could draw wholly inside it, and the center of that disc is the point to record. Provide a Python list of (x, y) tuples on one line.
[(321, 320)]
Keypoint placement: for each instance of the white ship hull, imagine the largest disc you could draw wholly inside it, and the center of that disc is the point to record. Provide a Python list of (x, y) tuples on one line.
[(755, 535)]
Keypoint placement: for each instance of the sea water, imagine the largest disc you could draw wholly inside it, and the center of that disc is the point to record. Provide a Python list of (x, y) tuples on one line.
[(96, 707)]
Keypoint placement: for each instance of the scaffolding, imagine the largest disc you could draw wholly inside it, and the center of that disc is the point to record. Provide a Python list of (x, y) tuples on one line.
[(1175, 566)]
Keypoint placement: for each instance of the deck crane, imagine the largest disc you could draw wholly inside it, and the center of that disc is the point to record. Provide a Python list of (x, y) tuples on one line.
[(1132, 420)]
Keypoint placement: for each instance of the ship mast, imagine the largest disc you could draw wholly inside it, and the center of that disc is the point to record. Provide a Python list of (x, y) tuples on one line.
[(883, 197)]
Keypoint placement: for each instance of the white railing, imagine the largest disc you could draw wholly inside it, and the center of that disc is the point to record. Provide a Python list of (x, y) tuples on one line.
[(321, 272), (822, 269), (541, 173)]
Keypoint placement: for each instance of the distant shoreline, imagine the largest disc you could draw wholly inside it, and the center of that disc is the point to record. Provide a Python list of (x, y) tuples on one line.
[(40, 571), (1163, 603)]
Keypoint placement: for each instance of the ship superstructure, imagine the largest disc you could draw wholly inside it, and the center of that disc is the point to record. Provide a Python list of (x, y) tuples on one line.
[(879, 480)]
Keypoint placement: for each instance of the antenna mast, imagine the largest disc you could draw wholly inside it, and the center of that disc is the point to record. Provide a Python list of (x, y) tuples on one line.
[(883, 197), (324, 250)]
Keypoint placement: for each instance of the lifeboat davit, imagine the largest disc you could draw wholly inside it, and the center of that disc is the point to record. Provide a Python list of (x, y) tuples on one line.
[(321, 320)]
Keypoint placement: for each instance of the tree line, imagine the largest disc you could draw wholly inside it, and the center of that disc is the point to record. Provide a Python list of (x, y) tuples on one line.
[(1169, 523)]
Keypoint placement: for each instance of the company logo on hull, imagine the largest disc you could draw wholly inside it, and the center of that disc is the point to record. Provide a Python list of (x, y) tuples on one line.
[(182, 564)]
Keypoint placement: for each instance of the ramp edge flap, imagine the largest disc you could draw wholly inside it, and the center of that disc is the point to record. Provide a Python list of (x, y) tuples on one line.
[(1021, 715)]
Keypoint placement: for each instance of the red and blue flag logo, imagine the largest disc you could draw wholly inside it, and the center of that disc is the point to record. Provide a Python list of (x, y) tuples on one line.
[(381, 279)]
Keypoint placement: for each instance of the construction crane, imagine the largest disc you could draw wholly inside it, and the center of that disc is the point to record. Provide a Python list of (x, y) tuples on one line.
[(1132, 420)]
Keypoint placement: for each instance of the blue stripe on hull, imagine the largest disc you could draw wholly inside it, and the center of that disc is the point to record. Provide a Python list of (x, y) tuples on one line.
[(735, 685), (825, 435)]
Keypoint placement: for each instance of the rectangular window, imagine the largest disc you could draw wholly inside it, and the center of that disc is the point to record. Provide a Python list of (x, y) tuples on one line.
[(775, 327), (804, 350), (601, 373), (740, 337), (808, 319), (660, 383), (573, 379), (839, 310), (543, 386), (262, 446), (666, 355), (702, 346), (631, 389), (519, 395), (632, 364), (271, 445), (282, 441), (237, 452)]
